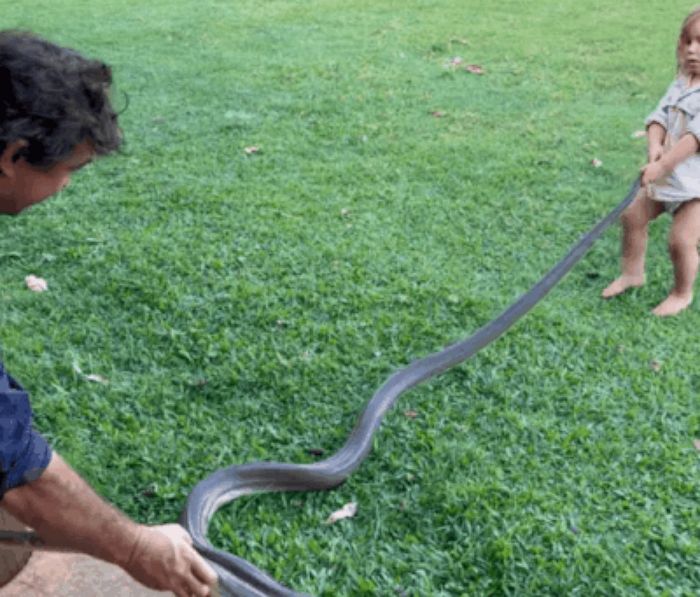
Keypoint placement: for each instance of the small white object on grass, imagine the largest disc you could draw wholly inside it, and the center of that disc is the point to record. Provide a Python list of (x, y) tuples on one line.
[(89, 376), (347, 511), (36, 284)]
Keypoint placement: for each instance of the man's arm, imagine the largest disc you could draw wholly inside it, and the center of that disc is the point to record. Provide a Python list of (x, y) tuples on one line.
[(66, 512)]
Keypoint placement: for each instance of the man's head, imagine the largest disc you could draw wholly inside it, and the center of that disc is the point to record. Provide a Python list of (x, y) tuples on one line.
[(55, 116)]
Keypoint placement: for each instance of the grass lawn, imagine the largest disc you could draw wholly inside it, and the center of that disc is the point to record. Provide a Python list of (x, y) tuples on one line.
[(246, 306)]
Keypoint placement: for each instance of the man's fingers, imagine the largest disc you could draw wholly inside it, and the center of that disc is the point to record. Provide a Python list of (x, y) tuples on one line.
[(204, 571), (200, 590), (182, 590)]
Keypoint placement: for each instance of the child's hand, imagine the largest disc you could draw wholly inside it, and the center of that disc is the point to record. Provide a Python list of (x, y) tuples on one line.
[(652, 172)]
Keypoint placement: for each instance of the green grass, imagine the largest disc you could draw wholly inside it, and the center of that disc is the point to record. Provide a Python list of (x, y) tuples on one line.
[(246, 307)]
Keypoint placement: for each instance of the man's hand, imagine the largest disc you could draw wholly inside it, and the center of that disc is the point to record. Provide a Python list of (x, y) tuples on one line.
[(164, 559), (652, 172)]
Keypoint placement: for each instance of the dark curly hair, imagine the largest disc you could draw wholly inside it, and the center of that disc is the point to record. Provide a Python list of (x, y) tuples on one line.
[(53, 98)]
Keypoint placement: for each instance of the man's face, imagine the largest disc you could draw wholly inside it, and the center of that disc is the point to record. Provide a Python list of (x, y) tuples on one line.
[(22, 185)]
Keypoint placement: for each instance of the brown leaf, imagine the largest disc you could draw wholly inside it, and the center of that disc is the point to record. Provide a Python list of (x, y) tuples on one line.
[(596, 163), (474, 69), (252, 149), (438, 114), (654, 365), (696, 443), (411, 414)]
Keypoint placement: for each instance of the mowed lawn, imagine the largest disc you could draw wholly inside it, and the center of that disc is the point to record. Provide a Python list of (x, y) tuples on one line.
[(245, 306)]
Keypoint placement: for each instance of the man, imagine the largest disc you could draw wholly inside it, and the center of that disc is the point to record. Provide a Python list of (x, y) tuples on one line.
[(55, 118)]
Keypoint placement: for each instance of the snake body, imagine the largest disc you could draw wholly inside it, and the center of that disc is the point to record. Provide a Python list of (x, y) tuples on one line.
[(237, 577)]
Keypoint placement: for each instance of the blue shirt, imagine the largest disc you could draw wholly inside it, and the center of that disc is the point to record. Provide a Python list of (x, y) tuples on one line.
[(24, 454)]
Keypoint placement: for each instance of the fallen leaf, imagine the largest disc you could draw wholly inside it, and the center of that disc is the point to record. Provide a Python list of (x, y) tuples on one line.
[(596, 163), (96, 378), (90, 376), (411, 414), (654, 365), (474, 69), (438, 114), (639, 134), (347, 511), (459, 40), (696, 443), (345, 212), (456, 61), (36, 284), (252, 149)]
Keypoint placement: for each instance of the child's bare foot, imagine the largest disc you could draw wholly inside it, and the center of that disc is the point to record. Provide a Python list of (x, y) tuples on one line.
[(673, 304), (621, 284)]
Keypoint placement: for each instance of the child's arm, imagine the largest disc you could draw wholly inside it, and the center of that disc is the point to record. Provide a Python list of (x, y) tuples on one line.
[(687, 146), (656, 134)]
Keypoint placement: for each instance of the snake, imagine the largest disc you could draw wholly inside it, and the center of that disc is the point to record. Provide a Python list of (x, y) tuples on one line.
[(240, 578)]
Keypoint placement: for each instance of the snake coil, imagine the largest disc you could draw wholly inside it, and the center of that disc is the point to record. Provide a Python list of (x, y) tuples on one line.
[(237, 577)]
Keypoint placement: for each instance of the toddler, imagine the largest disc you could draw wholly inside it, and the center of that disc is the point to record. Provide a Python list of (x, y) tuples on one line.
[(670, 180)]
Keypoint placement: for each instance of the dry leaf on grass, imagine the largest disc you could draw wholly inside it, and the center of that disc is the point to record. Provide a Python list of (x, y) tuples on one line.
[(456, 61), (252, 149), (90, 376), (438, 114), (96, 378), (347, 511), (654, 365), (411, 414), (696, 443), (475, 69), (36, 284), (596, 163)]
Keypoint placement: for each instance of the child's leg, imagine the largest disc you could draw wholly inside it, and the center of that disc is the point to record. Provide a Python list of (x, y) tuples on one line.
[(683, 246), (635, 221)]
